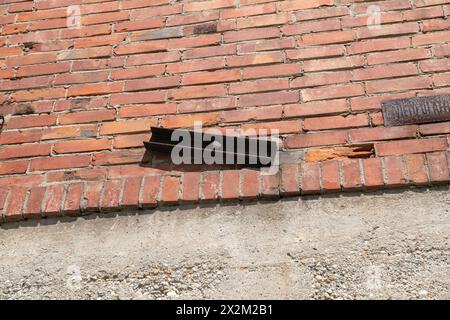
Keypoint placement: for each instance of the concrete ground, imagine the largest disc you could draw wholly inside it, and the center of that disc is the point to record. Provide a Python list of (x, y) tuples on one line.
[(391, 245)]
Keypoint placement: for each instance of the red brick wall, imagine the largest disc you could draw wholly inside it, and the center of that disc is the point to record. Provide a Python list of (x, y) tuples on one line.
[(78, 103)]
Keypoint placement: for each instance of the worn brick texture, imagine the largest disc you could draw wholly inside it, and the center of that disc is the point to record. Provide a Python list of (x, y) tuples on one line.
[(79, 100)]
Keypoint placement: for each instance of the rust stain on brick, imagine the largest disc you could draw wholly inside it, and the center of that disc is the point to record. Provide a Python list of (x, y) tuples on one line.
[(340, 153)]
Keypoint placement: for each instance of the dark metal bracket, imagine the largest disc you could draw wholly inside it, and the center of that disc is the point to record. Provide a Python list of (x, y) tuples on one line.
[(227, 149)]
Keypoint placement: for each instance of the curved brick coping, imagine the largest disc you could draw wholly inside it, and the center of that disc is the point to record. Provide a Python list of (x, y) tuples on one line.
[(83, 197)]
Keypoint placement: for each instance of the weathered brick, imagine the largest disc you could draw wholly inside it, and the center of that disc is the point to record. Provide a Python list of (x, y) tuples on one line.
[(310, 175), (150, 191), (16, 201), (410, 146), (330, 176), (250, 184), (42, 164), (13, 167), (438, 167), (191, 187), (336, 122), (351, 174), (111, 196), (373, 175), (290, 184), (394, 171), (230, 185), (210, 186), (72, 203), (33, 207), (316, 139), (415, 165), (170, 193)]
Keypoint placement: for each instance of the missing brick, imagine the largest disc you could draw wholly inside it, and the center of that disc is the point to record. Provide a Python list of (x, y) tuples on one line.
[(340, 153)]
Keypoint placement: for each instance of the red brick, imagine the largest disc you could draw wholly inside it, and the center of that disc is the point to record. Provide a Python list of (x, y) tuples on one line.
[(388, 30), (87, 116), (351, 175), (152, 83), (92, 195), (316, 139), (170, 190), (244, 115), (147, 110), (214, 51), (382, 133), (394, 170), (27, 71), (94, 89), (330, 176), (279, 127), (264, 45), (117, 157), (24, 151), (230, 185), (402, 84), (210, 186), (373, 175), (250, 184), (31, 121), (26, 83), (310, 178), (438, 167), (263, 20), (211, 77), (72, 204), (259, 86), (434, 128), (300, 4), (415, 165), (150, 191), (13, 167), (3, 196), (316, 52), (33, 207), (381, 44), (130, 141), (138, 72), (328, 38), (290, 185), (198, 92), (13, 210), (183, 121), (75, 146), (191, 187), (333, 92), (129, 126), (431, 38), (321, 79), (270, 185), (336, 122), (271, 71), (315, 108), (271, 98), (208, 5), (111, 196), (398, 56), (54, 163), (131, 193), (85, 77), (410, 146), (138, 97)]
